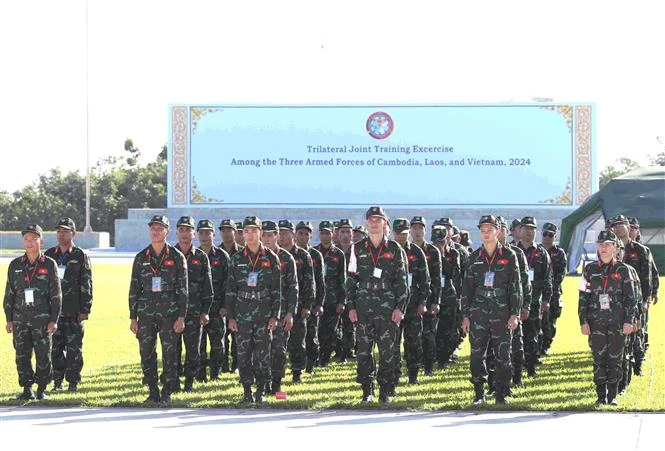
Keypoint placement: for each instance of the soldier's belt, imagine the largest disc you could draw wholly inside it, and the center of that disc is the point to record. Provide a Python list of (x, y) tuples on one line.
[(375, 286), (253, 295), (165, 287), (490, 292)]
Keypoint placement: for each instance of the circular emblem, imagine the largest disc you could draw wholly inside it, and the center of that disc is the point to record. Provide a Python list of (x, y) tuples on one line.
[(379, 125)]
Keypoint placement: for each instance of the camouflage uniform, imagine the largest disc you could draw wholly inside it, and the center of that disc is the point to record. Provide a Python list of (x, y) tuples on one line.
[(628, 361), (312, 338), (559, 263), (30, 322), (518, 343), (606, 320), (334, 274), (67, 352), (230, 344), (252, 307), (157, 311), (448, 332)]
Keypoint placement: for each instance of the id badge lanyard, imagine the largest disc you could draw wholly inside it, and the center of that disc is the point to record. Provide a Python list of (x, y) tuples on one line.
[(604, 298), (375, 260), (62, 263), (253, 277), (489, 275), (29, 292), (156, 280)]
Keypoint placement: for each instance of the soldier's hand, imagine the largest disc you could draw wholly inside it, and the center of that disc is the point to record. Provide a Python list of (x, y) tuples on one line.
[(134, 326), (654, 300), (82, 317), (524, 314), (179, 325), (645, 307), (434, 309), (222, 313), (627, 329), (466, 325), (10, 327), (272, 324), (353, 315), (51, 327), (204, 319), (304, 313), (287, 322), (422, 309), (397, 316), (512, 322), (233, 325), (586, 330), (340, 309), (545, 307), (318, 310)]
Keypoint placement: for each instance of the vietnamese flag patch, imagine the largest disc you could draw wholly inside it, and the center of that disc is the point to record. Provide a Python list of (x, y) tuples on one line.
[(265, 264), (616, 276), (169, 263), (42, 271), (502, 261), (196, 262), (388, 255)]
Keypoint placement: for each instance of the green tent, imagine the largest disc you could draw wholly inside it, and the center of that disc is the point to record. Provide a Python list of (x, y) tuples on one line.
[(640, 193)]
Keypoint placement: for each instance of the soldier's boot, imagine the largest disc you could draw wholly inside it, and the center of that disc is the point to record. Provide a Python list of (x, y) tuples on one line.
[(165, 397), (41, 392), (202, 375), (73, 387), (428, 369), (601, 392), (189, 384), (384, 393), (517, 379), (214, 374), (368, 393), (276, 385), (296, 377), (479, 392), (500, 395), (153, 395), (530, 370), (310, 366), (413, 376), (247, 395), (637, 367), (491, 390), (57, 386), (259, 397), (342, 356), (27, 394), (612, 394)]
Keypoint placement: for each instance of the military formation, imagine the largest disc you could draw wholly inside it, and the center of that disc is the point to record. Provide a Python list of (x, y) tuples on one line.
[(265, 299)]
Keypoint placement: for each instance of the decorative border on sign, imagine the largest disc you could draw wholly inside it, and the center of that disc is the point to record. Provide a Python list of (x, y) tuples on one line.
[(583, 160), (564, 110), (179, 138), (198, 114)]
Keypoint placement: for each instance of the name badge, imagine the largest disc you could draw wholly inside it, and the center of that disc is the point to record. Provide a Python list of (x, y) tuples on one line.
[(61, 272), (604, 301), (409, 278), (29, 297), (325, 269), (252, 279), (377, 273), (531, 275), (156, 284), (443, 281), (489, 279)]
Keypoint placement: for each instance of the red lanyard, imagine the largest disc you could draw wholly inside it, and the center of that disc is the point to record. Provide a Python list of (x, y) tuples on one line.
[(159, 266), (249, 257), (28, 278), (605, 278), (378, 255), (529, 256), (489, 262)]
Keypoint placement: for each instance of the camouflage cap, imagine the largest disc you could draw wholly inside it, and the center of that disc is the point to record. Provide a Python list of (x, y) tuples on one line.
[(205, 224), (269, 226), (186, 221), (501, 221), (549, 227), (446, 222), (376, 211), (66, 223), (606, 236), (160, 219), (251, 221), (464, 234), (336, 224), (285, 224), (240, 224), (304, 225), (345, 224), (634, 222), (439, 234), (488, 219), (619, 219), (326, 225), (516, 223), (529, 221), (360, 229), (418, 220), (401, 225), (230, 223), (33, 228)]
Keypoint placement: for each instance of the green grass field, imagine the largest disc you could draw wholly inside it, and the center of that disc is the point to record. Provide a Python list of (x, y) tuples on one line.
[(112, 374)]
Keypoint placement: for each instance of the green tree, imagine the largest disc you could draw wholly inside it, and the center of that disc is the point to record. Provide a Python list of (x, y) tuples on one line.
[(658, 160), (609, 172)]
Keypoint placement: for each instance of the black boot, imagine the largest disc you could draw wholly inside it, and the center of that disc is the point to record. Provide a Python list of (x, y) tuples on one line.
[(296, 377), (517, 379), (479, 392), (259, 398), (189, 384), (41, 392), (500, 395), (368, 393), (153, 396), (165, 398), (27, 394), (214, 374), (637, 367), (384, 393), (601, 391), (73, 387), (247, 395), (413, 376), (428, 370), (310, 366), (612, 394), (276, 385), (202, 375)]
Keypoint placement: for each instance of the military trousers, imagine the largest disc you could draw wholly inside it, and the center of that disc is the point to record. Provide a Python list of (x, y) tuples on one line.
[(376, 329), (230, 348), (549, 321), (254, 361), (490, 328), (328, 325), (191, 337), (430, 325), (278, 346), (530, 337), (150, 326), (297, 343), (30, 336), (214, 332), (412, 327), (67, 351), (447, 334), (312, 340), (607, 345)]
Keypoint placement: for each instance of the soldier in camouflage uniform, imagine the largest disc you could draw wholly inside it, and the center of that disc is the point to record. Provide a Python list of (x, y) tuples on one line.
[(559, 263), (303, 237), (158, 294), (490, 308), (607, 307), (540, 276), (515, 228), (628, 360), (253, 298), (637, 256), (288, 308), (346, 345), (418, 280), (634, 234), (239, 237), (215, 330), (32, 306), (334, 274), (76, 282), (306, 299), (199, 279), (418, 229), (359, 232), (229, 230), (378, 291)]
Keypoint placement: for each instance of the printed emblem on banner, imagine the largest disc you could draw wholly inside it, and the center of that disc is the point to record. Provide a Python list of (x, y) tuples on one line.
[(379, 125)]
